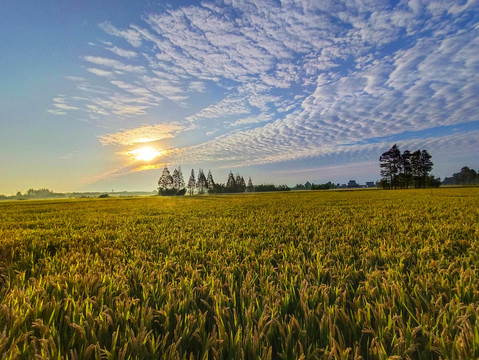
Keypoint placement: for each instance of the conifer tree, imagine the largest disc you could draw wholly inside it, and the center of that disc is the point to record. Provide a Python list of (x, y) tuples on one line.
[(230, 183), (209, 181), (250, 187), (192, 182), (179, 181), (166, 180), (201, 183)]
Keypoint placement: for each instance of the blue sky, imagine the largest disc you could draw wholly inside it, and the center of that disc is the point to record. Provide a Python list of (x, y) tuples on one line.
[(282, 91)]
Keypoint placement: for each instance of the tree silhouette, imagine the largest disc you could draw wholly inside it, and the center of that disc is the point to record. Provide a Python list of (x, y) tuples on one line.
[(192, 182), (166, 180), (209, 181), (201, 183)]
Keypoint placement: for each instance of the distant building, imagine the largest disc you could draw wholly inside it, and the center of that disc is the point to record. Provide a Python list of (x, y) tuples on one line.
[(353, 184), (307, 186), (370, 184)]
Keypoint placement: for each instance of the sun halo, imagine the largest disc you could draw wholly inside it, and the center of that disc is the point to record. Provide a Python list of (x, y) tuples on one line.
[(144, 154)]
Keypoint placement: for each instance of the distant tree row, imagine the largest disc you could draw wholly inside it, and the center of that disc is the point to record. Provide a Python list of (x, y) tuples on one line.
[(466, 176), (175, 185), (404, 170)]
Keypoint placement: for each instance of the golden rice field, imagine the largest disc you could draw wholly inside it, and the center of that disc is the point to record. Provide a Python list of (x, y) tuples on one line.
[(299, 275)]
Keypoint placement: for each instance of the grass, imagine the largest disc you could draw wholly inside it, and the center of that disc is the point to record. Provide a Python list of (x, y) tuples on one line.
[(312, 275)]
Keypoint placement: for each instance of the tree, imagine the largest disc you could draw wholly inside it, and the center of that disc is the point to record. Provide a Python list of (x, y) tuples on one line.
[(209, 181), (231, 183), (421, 166), (166, 181), (201, 183), (240, 183), (390, 163), (466, 176), (178, 181), (426, 166), (250, 187), (192, 182), (401, 169), (405, 175), (415, 162)]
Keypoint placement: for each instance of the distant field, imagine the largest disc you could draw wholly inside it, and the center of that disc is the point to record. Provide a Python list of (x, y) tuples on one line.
[(347, 274)]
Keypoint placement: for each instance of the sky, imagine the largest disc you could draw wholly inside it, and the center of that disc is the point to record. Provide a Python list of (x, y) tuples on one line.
[(100, 95)]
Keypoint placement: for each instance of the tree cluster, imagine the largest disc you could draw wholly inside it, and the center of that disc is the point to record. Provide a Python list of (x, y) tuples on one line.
[(406, 169), (171, 184), (271, 187), (233, 185), (174, 184), (466, 176)]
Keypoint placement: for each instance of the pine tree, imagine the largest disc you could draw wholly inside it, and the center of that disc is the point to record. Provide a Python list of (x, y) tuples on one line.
[(231, 183), (390, 163), (166, 180), (405, 169), (240, 184), (201, 183), (178, 181), (192, 182), (250, 187), (209, 181)]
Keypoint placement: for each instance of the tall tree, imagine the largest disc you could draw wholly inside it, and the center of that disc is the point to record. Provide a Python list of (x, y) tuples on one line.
[(405, 169), (209, 181), (178, 181), (426, 164), (201, 183), (416, 168), (240, 183), (192, 182), (231, 183), (467, 176), (390, 163), (250, 187), (166, 180)]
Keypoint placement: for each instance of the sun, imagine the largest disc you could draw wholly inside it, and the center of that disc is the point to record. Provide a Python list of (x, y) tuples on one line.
[(144, 154)]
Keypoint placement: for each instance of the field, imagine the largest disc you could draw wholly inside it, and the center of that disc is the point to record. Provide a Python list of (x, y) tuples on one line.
[(312, 275)]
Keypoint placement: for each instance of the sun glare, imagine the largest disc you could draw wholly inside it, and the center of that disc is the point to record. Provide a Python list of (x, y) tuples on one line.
[(145, 154)]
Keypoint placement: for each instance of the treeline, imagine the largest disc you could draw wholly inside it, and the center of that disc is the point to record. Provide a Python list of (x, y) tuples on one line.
[(406, 169), (31, 194), (174, 184), (466, 176)]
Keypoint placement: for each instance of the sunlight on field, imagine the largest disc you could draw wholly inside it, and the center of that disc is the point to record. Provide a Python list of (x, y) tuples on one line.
[(321, 274)]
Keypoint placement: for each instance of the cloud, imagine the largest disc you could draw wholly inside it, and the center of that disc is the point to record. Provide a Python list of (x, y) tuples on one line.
[(224, 108), (314, 78), (100, 72), (253, 120), (142, 134), (132, 36), (122, 52), (114, 64)]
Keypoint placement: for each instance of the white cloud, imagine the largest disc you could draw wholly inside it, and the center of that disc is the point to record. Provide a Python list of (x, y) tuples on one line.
[(328, 73), (122, 52), (253, 120), (142, 134), (131, 35), (100, 72), (114, 64)]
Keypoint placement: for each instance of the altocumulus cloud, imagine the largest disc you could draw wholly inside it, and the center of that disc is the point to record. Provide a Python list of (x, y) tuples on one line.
[(142, 134), (314, 78)]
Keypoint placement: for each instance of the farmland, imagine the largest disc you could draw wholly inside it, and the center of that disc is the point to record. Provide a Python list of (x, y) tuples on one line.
[(345, 274)]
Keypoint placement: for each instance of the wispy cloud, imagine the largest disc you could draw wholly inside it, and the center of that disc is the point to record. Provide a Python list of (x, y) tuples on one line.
[(130, 35), (142, 134), (114, 64), (314, 78)]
